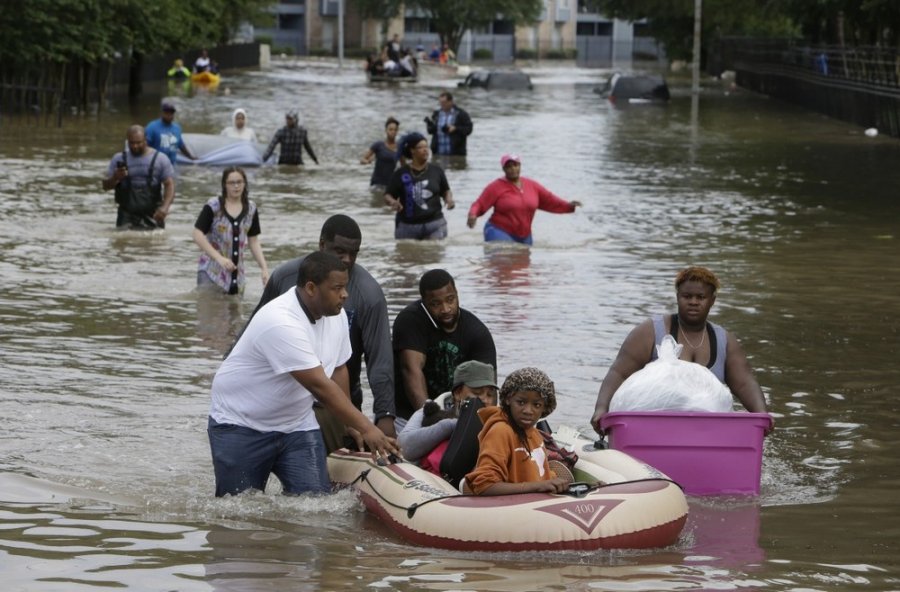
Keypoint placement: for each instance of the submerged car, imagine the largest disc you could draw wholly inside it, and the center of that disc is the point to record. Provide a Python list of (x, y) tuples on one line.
[(497, 80), (645, 88)]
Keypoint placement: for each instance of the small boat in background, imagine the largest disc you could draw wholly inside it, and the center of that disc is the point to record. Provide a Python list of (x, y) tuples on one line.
[(647, 88), (437, 71), (208, 78)]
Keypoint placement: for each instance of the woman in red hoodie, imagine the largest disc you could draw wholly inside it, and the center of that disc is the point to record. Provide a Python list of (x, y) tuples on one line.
[(515, 199)]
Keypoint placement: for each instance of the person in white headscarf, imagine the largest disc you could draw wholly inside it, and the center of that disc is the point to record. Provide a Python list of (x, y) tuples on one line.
[(238, 128)]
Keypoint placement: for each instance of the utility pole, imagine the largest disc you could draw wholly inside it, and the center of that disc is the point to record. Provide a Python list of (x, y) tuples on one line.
[(698, 19), (340, 33)]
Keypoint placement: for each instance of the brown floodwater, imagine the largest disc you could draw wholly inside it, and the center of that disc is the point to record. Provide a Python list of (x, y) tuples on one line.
[(107, 351)]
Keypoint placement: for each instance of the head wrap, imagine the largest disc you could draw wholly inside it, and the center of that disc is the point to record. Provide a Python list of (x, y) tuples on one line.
[(530, 379)]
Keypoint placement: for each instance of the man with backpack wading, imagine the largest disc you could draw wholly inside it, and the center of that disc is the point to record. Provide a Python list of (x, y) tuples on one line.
[(144, 183)]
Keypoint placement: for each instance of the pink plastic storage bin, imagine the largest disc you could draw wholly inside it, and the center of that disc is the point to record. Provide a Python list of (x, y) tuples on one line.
[(705, 453)]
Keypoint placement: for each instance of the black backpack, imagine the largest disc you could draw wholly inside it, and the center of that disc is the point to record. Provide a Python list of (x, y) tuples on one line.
[(462, 450), (137, 200)]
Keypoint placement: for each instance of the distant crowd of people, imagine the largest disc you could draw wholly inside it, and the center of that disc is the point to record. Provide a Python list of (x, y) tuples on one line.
[(397, 60)]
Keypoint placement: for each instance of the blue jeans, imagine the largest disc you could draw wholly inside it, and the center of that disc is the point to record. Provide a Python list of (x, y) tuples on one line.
[(243, 458), (433, 230), (492, 233)]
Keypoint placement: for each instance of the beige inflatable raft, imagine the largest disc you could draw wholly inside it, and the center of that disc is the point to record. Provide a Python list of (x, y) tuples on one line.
[(623, 503)]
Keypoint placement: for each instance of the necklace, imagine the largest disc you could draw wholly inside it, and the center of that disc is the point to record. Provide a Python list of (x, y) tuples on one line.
[(688, 341)]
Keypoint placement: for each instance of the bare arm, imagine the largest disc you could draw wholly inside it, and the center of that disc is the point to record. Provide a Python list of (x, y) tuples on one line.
[(412, 365), (448, 200), (256, 249), (111, 182), (368, 157), (739, 378), (334, 394), (184, 150), (555, 485), (633, 355), (392, 202), (168, 197)]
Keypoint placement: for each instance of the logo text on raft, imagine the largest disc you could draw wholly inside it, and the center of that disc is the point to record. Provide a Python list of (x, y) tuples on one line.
[(424, 488)]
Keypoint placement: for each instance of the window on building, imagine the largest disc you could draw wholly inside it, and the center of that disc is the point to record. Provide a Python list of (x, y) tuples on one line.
[(416, 25), (504, 28)]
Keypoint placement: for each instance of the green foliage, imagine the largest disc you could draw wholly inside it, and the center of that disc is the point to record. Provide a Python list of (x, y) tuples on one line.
[(483, 53), (561, 54), (283, 49), (849, 22), (452, 18), (526, 54), (92, 31)]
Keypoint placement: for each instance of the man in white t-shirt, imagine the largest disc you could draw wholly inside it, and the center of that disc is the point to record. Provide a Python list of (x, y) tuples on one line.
[(294, 350)]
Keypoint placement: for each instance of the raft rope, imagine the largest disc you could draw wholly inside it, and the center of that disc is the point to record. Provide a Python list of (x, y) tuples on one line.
[(581, 490)]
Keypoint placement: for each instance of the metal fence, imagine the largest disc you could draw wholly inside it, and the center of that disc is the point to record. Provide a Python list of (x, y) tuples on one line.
[(856, 84), (877, 66)]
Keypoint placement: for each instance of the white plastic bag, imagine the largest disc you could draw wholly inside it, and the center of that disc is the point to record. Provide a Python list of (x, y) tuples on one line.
[(671, 384)]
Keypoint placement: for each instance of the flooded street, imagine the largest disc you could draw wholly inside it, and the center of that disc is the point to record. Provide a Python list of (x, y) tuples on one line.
[(107, 351)]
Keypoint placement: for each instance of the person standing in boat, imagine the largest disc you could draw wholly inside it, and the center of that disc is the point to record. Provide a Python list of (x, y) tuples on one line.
[(239, 128), (226, 226), (144, 183), (704, 343), (293, 352), (164, 134), (293, 139), (415, 192), (511, 455), (449, 126), (515, 199), (431, 337), (384, 154)]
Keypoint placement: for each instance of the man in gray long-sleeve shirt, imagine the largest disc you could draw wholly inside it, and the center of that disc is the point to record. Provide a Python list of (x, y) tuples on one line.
[(370, 329)]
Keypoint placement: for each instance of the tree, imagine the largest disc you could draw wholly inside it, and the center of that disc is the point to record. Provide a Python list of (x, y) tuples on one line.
[(672, 21), (452, 18), (854, 22), (382, 10), (55, 43)]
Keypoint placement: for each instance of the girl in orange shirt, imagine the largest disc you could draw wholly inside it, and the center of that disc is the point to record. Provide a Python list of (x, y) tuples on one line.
[(512, 457)]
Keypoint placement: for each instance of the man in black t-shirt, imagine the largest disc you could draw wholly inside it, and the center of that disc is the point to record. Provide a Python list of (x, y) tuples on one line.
[(431, 337)]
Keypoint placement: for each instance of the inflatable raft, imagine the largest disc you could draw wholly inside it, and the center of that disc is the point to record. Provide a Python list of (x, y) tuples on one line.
[(617, 502), (205, 78)]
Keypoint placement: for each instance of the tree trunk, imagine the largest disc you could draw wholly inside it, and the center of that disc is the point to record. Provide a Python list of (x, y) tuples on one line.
[(135, 68)]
